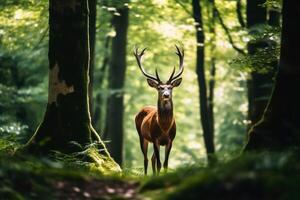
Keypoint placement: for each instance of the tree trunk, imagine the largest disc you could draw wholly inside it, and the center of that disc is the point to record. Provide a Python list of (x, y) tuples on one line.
[(260, 84), (240, 13), (114, 118), (279, 127), (204, 111), (92, 36), (212, 80), (67, 116)]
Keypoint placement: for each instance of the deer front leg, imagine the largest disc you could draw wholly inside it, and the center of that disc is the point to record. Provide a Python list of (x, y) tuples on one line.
[(144, 147), (167, 153), (156, 152), (153, 161)]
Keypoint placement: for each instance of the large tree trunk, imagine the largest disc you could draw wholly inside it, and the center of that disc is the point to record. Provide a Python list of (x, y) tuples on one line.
[(115, 107), (67, 116), (280, 126), (204, 111), (260, 83)]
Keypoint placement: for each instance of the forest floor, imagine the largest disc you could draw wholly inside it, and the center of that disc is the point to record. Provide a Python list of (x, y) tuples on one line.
[(256, 176)]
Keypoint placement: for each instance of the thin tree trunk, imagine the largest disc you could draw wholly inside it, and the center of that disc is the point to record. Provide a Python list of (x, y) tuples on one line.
[(212, 80), (240, 13), (279, 127), (114, 126), (92, 36), (204, 112)]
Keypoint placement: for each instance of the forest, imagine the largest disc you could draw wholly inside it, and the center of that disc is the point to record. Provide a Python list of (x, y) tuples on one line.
[(149, 99)]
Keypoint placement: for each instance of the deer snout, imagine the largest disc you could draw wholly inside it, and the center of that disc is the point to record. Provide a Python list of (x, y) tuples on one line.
[(166, 95)]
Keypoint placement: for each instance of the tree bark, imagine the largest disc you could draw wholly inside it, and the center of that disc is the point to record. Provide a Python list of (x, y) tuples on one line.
[(114, 118), (67, 116), (279, 127), (259, 84), (212, 80), (200, 70), (92, 36)]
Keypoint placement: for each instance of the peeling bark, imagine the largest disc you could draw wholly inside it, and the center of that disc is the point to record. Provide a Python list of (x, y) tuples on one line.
[(57, 86)]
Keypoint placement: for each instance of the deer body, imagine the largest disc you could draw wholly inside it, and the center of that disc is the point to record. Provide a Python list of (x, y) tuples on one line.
[(157, 125)]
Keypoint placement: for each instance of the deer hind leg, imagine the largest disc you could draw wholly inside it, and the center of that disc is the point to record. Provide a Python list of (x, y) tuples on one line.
[(156, 152), (144, 147), (167, 153), (153, 161)]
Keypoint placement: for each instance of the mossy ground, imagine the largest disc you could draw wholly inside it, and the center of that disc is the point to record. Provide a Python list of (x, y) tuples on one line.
[(250, 176)]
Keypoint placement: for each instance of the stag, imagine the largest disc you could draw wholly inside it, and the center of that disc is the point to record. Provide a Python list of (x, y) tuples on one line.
[(156, 124)]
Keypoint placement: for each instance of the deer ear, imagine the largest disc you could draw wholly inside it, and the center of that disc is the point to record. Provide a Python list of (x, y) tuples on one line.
[(176, 82), (152, 83)]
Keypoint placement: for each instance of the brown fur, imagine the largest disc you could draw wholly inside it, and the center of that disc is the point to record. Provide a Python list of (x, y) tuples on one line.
[(155, 128)]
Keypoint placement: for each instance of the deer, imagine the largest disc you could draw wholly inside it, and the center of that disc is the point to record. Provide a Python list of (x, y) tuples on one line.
[(156, 124)]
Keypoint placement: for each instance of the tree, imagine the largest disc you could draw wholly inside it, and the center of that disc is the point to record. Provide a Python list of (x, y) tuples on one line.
[(115, 108), (67, 116), (212, 81), (200, 70), (280, 125), (261, 78), (92, 37)]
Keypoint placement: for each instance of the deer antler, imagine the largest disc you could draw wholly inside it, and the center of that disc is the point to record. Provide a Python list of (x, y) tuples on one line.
[(181, 56), (138, 57)]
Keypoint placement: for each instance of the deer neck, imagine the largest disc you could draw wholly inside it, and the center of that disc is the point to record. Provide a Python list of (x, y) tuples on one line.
[(165, 113)]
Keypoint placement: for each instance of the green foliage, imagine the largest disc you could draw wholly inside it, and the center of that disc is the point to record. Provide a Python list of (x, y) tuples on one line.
[(22, 66), (261, 61)]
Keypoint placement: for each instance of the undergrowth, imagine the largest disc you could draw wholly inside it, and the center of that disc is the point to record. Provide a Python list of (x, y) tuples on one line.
[(258, 175)]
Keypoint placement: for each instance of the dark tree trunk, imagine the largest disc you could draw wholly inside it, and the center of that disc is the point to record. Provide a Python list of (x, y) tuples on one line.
[(212, 80), (67, 116), (240, 13), (92, 36), (260, 84), (279, 127), (114, 126), (204, 110)]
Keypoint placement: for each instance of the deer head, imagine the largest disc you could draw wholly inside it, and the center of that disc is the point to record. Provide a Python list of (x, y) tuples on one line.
[(164, 88)]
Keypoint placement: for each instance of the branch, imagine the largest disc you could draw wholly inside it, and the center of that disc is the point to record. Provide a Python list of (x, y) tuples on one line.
[(239, 13), (184, 8), (44, 34), (228, 34)]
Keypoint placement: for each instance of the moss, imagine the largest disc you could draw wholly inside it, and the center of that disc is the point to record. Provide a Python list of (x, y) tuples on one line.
[(104, 164), (26, 177), (252, 176)]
